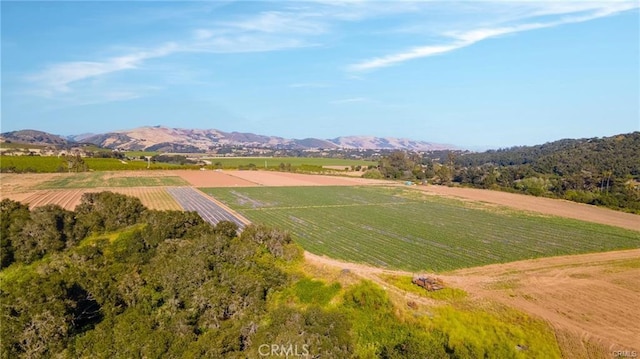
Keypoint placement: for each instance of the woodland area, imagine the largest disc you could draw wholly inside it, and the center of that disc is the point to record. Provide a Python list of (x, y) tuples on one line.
[(113, 279), (599, 171)]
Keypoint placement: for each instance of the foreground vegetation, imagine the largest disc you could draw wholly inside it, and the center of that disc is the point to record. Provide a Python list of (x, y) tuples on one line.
[(116, 280), (407, 229)]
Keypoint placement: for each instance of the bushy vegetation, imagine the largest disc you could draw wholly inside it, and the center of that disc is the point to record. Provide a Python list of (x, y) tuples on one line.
[(407, 229), (598, 171), (116, 280)]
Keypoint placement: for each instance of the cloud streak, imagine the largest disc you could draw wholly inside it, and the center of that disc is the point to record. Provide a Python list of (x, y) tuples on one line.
[(299, 25), (59, 77), (461, 39), (268, 31)]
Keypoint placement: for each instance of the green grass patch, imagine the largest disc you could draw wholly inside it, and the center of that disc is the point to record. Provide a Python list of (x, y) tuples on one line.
[(316, 292), (384, 226), (499, 333), (21, 146), (631, 263), (451, 330), (505, 284)]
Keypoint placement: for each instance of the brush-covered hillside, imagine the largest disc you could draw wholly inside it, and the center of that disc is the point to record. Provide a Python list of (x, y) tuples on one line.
[(602, 171), (113, 279)]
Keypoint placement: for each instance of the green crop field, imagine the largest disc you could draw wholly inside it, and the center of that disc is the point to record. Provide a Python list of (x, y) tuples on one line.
[(103, 179), (48, 164), (274, 162), (30, 164), (403, 228)]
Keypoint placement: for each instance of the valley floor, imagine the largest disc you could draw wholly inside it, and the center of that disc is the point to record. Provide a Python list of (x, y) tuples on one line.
[(591, 300)]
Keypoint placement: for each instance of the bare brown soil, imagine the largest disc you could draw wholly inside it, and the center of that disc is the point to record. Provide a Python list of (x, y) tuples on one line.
[(151, 197), (591, 300), (267, 178), (12, 183), (550, 206), (213, 179)]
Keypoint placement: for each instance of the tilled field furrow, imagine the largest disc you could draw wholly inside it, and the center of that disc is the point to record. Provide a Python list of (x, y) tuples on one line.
[(193, 200)]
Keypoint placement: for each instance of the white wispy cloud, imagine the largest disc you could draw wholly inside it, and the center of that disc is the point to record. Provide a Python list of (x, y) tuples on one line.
[(299, 25), (305, 22), (349, 100), (456, 39), (58, 78), (263, 32)]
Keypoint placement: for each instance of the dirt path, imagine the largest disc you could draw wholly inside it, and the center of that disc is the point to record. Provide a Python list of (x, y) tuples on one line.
[(556, 207), (369, 273), (592, 297)]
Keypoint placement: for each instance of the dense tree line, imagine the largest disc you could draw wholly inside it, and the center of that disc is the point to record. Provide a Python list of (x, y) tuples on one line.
[(599, 171)]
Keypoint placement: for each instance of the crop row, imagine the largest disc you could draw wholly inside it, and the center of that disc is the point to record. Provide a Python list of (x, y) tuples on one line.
[(48, 164), (56, 164), (193, 200), (383, 227), (104, 179), (152, 198), (67, 199)]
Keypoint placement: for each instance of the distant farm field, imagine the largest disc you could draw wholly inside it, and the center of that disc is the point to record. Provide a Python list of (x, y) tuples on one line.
[(152, 197), (406, 229), (49, 164), (274, 162), (105, 179)]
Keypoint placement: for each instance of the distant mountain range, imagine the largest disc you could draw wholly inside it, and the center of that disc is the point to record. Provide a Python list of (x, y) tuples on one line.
[(164, 139)]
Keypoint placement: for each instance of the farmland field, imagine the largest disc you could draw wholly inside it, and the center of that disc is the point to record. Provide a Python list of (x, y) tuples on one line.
[(152, 197), (104, 179), (274, 162), (50, 164), (193, 200), (45, 164), (402, 228)]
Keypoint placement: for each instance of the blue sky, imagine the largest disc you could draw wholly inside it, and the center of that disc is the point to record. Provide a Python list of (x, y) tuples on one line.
[(474, 74)]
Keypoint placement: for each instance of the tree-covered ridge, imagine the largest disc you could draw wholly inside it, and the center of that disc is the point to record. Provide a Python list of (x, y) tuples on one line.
[(113, 279), (619, 154), (600, 171)]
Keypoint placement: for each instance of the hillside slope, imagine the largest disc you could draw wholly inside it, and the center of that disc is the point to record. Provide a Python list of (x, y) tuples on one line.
[(161, 138)]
